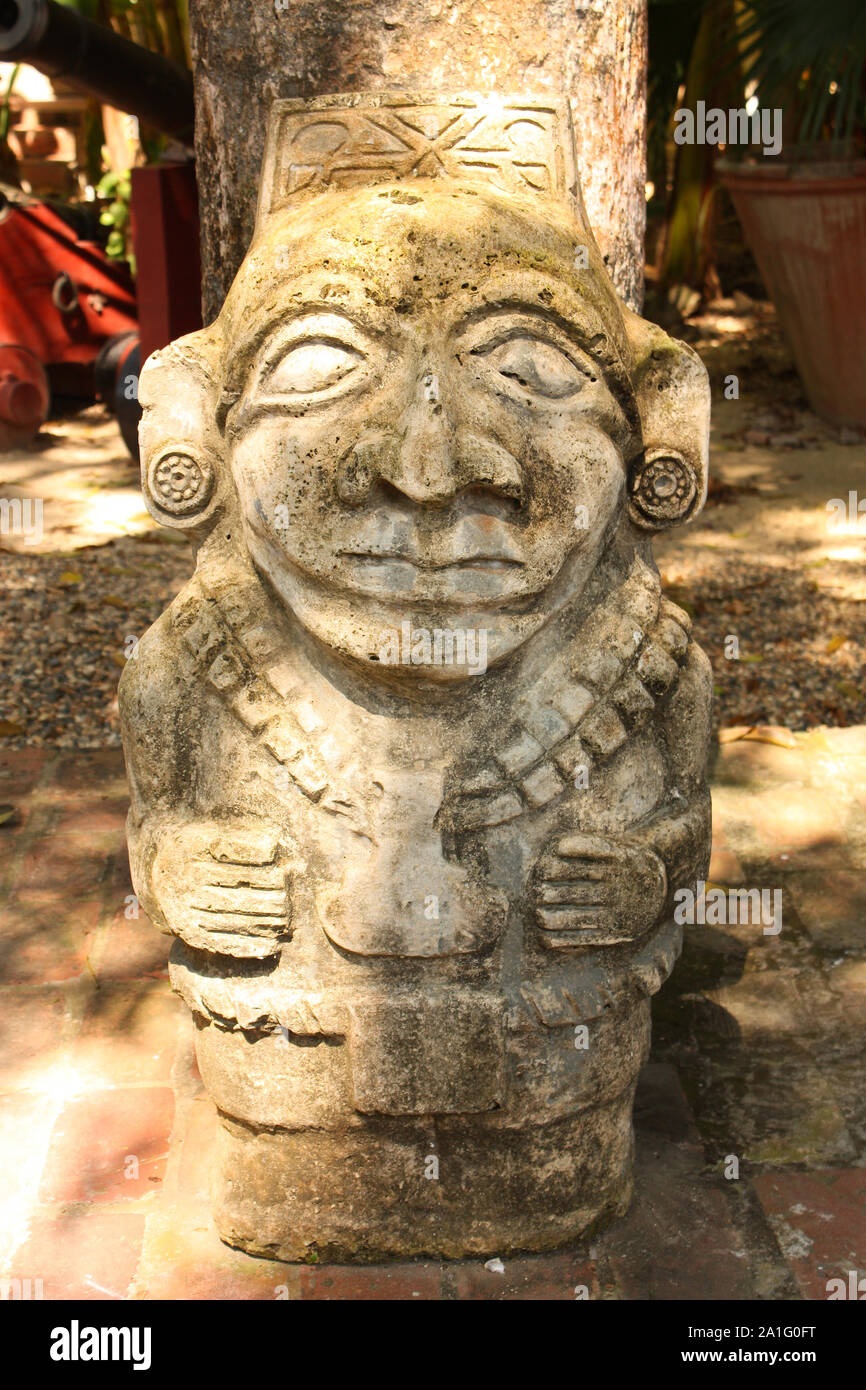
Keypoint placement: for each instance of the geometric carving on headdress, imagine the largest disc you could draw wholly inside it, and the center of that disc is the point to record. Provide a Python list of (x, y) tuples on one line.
[(519, 146)]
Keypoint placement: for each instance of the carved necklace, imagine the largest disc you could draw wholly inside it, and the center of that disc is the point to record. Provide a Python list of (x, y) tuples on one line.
[(581, 709)]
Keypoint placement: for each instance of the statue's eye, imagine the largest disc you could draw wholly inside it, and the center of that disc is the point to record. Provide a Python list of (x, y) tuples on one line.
[(311, 366), (536, 365)]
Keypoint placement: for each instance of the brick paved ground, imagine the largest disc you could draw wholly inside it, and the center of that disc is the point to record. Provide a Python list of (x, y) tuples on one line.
[(105, 1129)]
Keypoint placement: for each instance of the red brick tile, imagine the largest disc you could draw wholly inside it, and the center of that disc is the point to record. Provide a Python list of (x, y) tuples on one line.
[(732, 821), (31, 1027), (45, 936), (529, 1277), (130, 1033), (68, 866), (77, 772), (120, 881), (197, 1149), (20, 770), (654, 1259), (109, 1145), (676, 1241), (12, 829), (820, 1223), (26, 1119), (725, 866), (184, 1258), (365, 1283), (83, 1254), (90, 816), (131, 949)]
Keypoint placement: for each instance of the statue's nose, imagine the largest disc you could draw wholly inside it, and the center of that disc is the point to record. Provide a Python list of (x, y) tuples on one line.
[(424, 464), (428, 456)]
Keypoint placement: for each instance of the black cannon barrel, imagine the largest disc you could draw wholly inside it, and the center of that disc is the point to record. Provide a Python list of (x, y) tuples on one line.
[(60, 43)]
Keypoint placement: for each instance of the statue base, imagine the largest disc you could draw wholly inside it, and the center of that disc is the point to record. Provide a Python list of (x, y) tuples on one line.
[(382, 1191)]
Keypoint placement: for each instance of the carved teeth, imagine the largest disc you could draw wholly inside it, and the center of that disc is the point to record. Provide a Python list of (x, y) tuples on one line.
[(284, 742)]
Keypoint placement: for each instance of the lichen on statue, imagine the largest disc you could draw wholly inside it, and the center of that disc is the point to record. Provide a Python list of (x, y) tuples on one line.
[(417, 757)]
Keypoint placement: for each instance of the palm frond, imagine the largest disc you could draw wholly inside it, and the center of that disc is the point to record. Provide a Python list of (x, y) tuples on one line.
[(811, 55)]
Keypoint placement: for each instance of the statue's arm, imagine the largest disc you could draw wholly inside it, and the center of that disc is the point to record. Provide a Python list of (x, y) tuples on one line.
[(679, 831), (222, 886), (593, 889)]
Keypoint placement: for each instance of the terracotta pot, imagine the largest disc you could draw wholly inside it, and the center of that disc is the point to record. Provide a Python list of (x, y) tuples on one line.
[(806, 226)]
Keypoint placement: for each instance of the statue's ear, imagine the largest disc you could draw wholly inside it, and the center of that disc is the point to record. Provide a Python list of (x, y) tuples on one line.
[(667, 475), (182, 477)]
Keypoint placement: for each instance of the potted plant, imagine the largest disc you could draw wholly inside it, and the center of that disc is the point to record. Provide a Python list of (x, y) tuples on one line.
[(804, 212)]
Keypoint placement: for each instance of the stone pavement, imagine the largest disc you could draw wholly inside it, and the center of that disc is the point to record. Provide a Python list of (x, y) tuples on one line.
[(751, 1116)]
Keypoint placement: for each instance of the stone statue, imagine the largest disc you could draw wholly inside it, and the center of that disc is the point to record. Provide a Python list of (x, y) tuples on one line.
[(417, 756)]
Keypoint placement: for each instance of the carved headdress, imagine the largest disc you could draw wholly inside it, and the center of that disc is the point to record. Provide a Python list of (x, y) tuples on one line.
[(517, 146)]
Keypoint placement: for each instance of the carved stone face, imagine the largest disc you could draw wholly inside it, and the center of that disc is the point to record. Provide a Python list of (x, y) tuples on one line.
[(426, 415)]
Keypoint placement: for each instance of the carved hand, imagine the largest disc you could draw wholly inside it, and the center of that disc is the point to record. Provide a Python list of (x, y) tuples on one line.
[(224, 890), (594, 891)]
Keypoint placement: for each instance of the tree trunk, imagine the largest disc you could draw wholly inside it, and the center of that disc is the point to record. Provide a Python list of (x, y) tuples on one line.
[(245, 55)]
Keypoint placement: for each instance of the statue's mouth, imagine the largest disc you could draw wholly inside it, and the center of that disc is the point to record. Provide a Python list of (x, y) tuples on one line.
[(480, 544), (502, 564)]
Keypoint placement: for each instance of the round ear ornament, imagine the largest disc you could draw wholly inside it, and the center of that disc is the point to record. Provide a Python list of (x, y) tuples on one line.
[(181, 484), (663, 490)]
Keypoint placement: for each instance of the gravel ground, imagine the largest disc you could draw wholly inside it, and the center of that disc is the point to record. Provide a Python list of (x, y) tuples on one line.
[(761, 564), (65, 621), (802, 652)]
